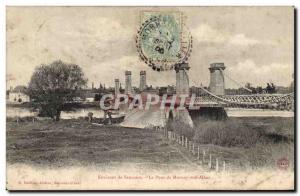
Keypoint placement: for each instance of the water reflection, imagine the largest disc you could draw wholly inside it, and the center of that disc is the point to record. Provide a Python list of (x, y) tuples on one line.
[(25, 112)]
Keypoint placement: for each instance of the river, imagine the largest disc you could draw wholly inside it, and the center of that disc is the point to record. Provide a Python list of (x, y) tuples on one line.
[(25, 112)]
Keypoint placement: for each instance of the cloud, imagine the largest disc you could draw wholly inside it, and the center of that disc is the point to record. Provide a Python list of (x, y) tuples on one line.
[(241, 39), (205, 33), (102, 42), (249, 71), (93, 42)]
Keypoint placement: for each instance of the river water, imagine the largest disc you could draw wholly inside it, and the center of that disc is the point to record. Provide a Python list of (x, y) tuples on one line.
[(25, 112), (231, 112), (244, 112)]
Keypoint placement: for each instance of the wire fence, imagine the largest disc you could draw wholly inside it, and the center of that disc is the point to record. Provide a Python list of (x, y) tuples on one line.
[(202, 156)]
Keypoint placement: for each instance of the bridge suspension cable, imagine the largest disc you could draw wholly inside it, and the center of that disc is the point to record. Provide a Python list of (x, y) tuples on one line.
[(270, 100), (220, 98), (250, 99), (236, 82)]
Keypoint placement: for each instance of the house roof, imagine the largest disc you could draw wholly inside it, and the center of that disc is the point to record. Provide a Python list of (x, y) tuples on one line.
[(19, 89)]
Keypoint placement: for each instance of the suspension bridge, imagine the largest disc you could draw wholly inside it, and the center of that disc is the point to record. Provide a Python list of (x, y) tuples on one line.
[(258, 101), (216, 97), (212, 101)]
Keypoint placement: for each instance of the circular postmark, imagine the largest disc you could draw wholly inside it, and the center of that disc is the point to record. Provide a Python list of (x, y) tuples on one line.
[(283, 163), (162, 42)]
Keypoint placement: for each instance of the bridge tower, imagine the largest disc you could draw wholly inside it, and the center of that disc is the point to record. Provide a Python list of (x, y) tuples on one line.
[(182, 79), (217, 85), (128, 87), (143, 80), (182, 88), (117, 87)]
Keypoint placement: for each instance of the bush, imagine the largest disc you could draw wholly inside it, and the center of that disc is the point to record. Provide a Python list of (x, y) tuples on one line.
[(226, 133), (180, 127)]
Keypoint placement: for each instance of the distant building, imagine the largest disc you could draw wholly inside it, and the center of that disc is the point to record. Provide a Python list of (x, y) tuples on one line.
[(18, 95)]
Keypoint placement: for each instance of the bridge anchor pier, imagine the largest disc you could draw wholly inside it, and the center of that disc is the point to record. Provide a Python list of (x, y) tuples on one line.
[(209, 113)]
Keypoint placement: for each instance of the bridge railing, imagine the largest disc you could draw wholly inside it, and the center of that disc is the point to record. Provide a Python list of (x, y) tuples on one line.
[(266, 101)]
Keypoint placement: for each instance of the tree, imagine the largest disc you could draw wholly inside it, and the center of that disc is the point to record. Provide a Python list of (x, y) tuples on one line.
[(259, 90), (55, 85), (270, 88)]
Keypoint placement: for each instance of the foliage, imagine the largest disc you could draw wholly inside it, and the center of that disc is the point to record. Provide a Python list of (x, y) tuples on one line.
[(181, 128), (53, 86), (244, 132), (226, 133)]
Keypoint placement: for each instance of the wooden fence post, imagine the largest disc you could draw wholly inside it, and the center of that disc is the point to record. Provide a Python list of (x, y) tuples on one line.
[(182, 142), (175, 138), (203, 156), (166, 131), (224, 166), (198, 155), (186, 142), (209, 163), (193, 149), (217, 165)]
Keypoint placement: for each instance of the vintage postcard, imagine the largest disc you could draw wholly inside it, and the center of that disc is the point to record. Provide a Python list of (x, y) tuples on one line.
[(150, 98)]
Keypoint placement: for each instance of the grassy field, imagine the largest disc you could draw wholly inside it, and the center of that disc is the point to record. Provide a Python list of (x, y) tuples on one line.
[(79, 143), (242, 143)]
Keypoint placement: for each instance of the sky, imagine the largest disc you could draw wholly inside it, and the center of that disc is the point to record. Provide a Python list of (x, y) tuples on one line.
[(255, 43)]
